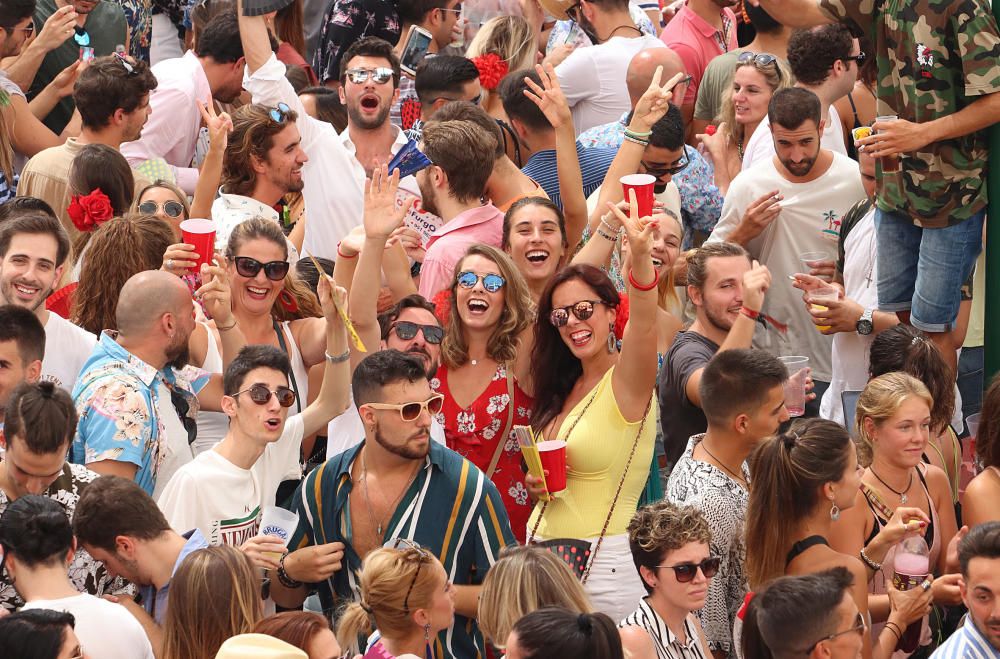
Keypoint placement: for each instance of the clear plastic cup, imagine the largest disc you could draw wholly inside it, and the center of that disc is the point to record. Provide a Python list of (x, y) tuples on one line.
[(890, 164), (795, 385)]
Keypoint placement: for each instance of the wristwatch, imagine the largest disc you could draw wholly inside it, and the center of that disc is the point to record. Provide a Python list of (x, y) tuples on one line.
[(864, 326)]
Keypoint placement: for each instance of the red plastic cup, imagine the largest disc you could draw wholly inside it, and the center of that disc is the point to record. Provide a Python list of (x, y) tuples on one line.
[(201, 234), (553, 455), (643, 186)]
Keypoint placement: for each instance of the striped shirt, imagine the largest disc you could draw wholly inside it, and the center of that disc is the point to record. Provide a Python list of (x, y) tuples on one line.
[(594, 164), (966, 643), (451, 508), (665, 641)]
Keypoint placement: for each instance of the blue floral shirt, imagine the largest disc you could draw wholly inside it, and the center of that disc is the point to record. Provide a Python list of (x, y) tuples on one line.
[(120, 411), (568, 32), (701, 201)]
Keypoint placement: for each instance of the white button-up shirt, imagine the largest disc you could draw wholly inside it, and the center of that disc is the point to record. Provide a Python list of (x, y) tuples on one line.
[(230, 210)]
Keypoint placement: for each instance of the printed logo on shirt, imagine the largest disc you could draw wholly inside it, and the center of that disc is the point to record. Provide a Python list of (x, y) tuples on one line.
[(48, 377), (831, 229), (925, 58), (234, 532)]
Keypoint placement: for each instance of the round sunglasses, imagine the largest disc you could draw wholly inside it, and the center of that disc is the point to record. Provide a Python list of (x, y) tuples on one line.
[(583, 310), (411, 411), (492, 283), (248, 267), (260, 394), (406, 330), (685, 571), (170, 208)]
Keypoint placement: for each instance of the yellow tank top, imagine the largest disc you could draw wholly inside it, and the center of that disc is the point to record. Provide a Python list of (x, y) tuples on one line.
[(597, 451)]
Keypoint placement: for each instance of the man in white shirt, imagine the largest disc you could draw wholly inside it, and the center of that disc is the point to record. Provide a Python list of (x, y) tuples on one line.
[(33, 251), (593, 78), (38, 542), (788, 205), (825, 61), (263, 162), (213, 71)]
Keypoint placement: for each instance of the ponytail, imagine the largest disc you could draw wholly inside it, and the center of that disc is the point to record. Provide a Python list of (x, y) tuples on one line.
[(355, 622)]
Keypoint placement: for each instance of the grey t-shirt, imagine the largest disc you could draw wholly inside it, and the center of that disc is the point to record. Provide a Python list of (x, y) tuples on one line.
[(679, 417)]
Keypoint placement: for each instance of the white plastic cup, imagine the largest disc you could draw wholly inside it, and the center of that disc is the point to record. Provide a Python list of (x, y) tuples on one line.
[(279, 523)]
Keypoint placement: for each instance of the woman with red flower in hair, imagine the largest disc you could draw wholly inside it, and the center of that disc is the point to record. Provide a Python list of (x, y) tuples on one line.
[(101, 187)]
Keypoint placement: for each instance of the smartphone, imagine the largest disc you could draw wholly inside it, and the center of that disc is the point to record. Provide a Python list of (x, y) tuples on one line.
[(418, 40), (86, 53)]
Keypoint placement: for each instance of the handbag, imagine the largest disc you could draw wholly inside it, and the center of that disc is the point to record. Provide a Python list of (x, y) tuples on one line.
[(580, 554)]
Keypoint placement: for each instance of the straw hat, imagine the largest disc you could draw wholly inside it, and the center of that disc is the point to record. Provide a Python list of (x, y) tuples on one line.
[(557, 8), (258, 646)]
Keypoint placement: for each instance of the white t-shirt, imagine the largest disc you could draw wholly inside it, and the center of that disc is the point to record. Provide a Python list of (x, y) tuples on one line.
[(175, 452), (224, 501), (346, 431), (593, 79), (106, 630), (67, 348), (760, 146), (809, 221)]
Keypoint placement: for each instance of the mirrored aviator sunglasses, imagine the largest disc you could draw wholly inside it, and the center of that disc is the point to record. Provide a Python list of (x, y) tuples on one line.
[(260, 394), (248, 267), (170, 208), (379, 75), (492, 283)]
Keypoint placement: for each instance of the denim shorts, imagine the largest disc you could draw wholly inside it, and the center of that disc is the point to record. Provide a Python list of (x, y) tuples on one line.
[(922, 270)]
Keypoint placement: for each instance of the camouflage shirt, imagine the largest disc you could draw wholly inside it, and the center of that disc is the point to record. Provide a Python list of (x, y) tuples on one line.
[(935, 58)]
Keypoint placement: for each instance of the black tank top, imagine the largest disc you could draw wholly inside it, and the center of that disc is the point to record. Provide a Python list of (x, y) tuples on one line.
[(802, 545)]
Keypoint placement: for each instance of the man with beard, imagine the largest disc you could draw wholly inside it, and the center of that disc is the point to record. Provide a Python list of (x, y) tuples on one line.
[(33, 252), (727, 290), (593, 78), (785, 207), (136, 396), (398, 484), (114, 105), (700, 31), (263, 162), (100, 27)]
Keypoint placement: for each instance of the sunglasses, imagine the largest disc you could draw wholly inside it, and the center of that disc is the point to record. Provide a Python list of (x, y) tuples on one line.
[(379, 75), (129, 69), (411, 411), (248, 267), (81, 36), (760, 59), (678, 166), (260, 394), (859, 58), (413, 550), (279, 113), (492, 283), (457, 8), (406, 330), (685, 571), (170, 208), (28, 29), (859, 627), (583, 310)]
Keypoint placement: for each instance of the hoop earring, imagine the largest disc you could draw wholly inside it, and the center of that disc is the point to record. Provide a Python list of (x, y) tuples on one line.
[(834, 512), (612, 341)]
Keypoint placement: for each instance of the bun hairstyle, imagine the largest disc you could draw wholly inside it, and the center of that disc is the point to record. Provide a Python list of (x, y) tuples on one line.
[(36, 530), (790, 470), (553, 632), (42, 416)]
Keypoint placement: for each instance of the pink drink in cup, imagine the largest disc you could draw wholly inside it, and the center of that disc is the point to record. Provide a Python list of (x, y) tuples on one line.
[(553, 456), (795, 385), (643, 186), (201, 234)]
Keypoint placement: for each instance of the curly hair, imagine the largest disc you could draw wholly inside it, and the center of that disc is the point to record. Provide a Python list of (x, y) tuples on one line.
[(120, 248), (663, 527), (252, 137), (813, 51), (515, 318), (880, 400)]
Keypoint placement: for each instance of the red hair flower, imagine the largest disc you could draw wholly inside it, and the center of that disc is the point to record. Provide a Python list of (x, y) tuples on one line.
[(492, 69), (90, 211)]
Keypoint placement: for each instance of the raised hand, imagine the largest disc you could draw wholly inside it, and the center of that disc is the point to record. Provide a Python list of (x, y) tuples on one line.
[(328, 293), (411, 241), (215, 293), (639, 231), (57, 29), (219, 125), (179, 259), (756, 281), (654, 102), (63, 83), (549, 96), (381, 216)]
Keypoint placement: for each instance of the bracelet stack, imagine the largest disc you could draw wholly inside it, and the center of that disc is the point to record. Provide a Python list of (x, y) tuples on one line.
[(896, 631), (638, 138), (875, 567), (283, 577), (607, 232)]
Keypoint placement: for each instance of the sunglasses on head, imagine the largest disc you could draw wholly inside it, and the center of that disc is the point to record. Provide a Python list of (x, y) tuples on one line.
[(248, 267), (492, 283), (260, 394), (279, 113), (406, 330), (583, 310), (129, 69), (379, 75), (411, 411), (413, 550), (170, 208), (760, 59), (685, 571)]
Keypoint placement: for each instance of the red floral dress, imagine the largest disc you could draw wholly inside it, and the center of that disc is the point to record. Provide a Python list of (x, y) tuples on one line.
[(473, 433)]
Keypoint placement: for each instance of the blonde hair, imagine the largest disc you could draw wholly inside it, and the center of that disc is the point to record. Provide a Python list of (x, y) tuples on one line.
[(666, 291), (182, 199), (526, 579), (384, 583), (511, 38), (214, 595), (880, 400), (776, 77), (517, 314)]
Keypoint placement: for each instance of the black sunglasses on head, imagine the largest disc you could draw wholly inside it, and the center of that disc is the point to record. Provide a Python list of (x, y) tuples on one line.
[(406, 330), (248, 267), (413, 550), (260, 394)]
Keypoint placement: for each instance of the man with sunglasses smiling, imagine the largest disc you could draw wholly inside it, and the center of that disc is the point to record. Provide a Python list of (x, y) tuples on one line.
[(223, 491), (399, 484), (114, 106)]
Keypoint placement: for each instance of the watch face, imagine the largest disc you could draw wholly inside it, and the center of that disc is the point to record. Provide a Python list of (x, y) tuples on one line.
[(865, 327)]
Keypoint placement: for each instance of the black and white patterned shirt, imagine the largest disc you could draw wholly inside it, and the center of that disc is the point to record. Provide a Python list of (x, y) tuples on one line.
[(665, 641), (723, 501), (87, 574)]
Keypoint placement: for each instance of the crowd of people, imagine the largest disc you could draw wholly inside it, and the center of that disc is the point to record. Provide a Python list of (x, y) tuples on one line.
[(293, 292)]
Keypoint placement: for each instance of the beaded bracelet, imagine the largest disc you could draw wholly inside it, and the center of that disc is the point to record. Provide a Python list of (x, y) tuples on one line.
[(634, 140), (606, 235), (869, 562)]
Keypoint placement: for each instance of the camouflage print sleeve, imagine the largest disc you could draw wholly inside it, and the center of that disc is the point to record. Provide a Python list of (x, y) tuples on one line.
[(978, 38), (856, 14)]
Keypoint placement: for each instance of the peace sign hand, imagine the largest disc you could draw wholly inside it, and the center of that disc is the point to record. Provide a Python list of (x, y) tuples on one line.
[(549, 97), (654, 102), (219, 125)]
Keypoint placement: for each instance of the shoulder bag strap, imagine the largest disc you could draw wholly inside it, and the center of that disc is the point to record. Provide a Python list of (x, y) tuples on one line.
[(502, 438), (280, 333)]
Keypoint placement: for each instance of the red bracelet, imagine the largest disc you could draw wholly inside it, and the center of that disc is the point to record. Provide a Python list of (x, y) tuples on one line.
[(750, 313), (344, 256), (638, 287)]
